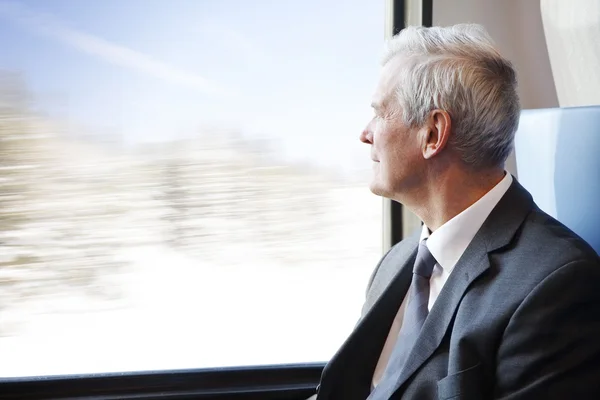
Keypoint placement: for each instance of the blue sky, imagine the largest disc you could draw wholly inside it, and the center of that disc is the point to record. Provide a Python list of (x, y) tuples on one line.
[(298, 71)]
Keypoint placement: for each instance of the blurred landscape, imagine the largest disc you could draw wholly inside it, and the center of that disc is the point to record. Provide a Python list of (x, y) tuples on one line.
[(198, 252)]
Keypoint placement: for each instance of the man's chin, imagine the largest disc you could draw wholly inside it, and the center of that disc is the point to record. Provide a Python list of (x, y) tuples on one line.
[(376, 189)]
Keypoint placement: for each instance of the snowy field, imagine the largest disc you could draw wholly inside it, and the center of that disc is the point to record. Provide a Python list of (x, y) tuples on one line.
[(183, 316), (179, 312)]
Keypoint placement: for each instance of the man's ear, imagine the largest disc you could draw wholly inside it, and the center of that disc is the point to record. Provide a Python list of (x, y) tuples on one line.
[(437, 132)]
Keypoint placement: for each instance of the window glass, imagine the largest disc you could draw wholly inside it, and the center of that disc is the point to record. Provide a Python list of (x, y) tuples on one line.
[(181, 182)]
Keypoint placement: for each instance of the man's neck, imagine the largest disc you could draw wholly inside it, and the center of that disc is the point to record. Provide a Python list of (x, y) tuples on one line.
[(450, 194)]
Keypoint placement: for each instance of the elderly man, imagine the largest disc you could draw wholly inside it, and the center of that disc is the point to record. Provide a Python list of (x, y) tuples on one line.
[(493, 298)]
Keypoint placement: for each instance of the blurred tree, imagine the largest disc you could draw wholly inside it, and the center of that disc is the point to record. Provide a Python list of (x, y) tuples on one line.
[(60, 211), (17, 160), (17, 150)]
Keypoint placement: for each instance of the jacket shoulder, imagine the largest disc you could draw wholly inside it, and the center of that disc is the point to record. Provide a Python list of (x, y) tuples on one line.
[(548, 243)]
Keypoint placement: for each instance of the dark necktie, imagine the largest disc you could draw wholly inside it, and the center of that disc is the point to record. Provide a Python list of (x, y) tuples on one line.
[(415, 314)]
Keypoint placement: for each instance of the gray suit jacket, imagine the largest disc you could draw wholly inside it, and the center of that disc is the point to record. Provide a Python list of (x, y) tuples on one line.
[(518, 318)]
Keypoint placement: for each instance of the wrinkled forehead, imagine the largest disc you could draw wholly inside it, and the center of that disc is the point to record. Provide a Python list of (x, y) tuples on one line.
[(389, 79)]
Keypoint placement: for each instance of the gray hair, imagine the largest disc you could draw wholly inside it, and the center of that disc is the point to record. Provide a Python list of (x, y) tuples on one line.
[(458, 69)]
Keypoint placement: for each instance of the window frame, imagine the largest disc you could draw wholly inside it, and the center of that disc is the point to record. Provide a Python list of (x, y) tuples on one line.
[(399, 222), (215, 383)]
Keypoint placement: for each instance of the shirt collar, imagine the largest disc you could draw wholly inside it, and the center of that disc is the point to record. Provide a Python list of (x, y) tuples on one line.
[(448, 243)]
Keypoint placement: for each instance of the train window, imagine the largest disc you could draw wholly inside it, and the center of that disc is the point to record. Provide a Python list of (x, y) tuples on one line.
[(181, 182)]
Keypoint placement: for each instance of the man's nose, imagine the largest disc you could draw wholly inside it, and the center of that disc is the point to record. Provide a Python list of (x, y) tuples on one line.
[(366, 135)]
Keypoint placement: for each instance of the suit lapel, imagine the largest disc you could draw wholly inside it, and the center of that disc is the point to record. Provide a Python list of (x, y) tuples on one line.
[(473, 263), (349, 373), (496, 232)]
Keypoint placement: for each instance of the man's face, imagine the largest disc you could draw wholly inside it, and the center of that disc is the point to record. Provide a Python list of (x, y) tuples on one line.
[(396, 152)]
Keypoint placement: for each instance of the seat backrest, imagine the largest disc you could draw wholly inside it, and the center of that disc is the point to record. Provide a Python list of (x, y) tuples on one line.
[(558, 161)]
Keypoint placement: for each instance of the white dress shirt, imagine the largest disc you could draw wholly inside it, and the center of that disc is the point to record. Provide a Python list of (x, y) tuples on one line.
[(446, 244)]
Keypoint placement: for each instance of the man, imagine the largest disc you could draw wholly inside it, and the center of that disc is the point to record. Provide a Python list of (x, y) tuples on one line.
[(493, 298)]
